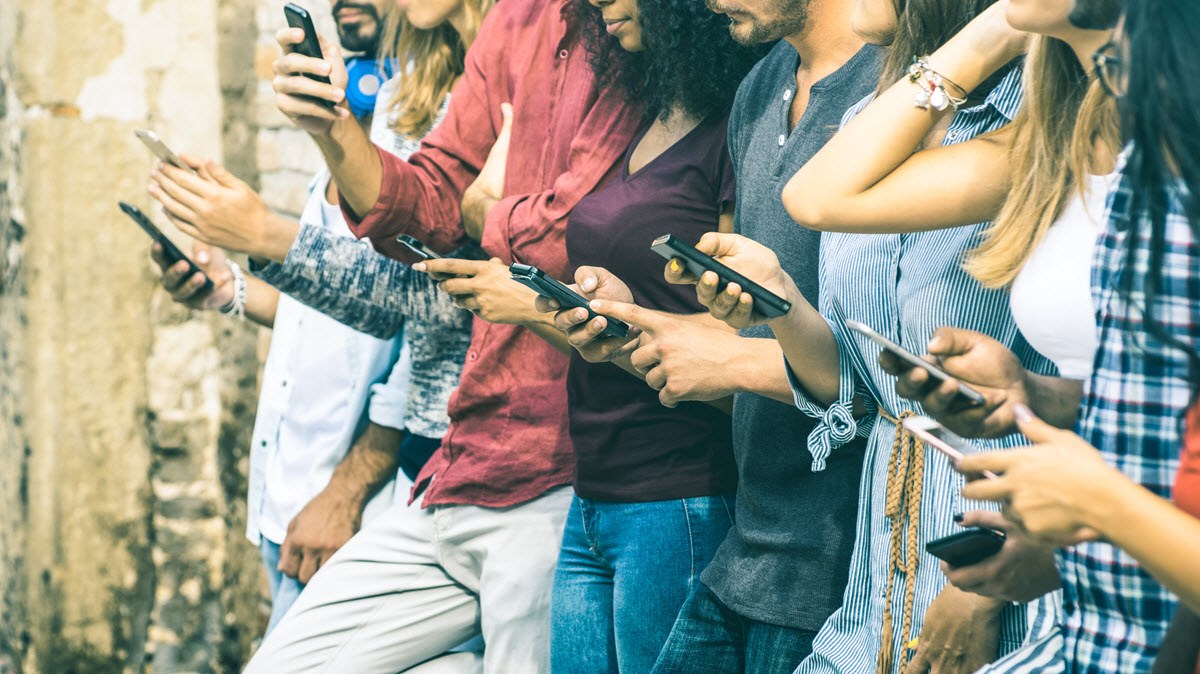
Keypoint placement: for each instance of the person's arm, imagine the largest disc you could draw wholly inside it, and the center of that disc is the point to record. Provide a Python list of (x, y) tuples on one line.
[(334, 515), (867, 176), (261, 299), (1062, 491)]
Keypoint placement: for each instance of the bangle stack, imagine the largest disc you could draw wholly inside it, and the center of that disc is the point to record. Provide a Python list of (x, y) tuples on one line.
[(236, 306), (932, 87)]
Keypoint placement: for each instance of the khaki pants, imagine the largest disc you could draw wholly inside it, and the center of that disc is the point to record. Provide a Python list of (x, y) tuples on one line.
[(415, 583)]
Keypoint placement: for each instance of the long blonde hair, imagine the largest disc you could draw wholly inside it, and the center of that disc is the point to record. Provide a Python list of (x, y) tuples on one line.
[(430, 62), (1055, 134)]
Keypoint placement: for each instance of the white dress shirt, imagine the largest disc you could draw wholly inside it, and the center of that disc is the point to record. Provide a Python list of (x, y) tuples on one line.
[(322, 382)]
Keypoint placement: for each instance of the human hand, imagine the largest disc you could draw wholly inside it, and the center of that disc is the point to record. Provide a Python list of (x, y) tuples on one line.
[(987, 43), (316, 532), (221, 210), (488, 187), (187, 289), (311, 105), (1051, 490), (1021, 571), (587, 336), (977, 360), (486, 289), (681, 359), (745, 256), (961, 634)]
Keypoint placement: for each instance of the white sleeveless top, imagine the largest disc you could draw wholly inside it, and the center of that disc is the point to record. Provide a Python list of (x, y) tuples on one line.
[(1052, 294)]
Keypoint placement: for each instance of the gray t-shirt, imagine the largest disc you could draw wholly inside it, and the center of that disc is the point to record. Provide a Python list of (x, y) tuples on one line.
[(786, 559)]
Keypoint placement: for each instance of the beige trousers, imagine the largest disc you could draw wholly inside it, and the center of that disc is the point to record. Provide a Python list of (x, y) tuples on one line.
[(415, 583)]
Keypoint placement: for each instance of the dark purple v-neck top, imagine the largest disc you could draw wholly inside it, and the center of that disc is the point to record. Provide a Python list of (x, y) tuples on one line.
[(628, 447)]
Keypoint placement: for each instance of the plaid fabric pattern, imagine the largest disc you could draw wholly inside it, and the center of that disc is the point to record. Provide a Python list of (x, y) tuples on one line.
[(1133, 410)]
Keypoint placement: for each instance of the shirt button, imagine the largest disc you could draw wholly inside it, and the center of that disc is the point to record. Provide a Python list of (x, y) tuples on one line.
[(562, 54), (782, 139), (787, 94), (263, 443), (473, 356)]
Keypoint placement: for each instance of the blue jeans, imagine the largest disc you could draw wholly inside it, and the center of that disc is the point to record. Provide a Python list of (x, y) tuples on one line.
[(623, 573), (284, 589), (711, 638)]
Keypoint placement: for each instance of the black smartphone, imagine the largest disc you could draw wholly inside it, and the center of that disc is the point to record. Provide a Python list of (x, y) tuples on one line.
[(418, 247), (170, 251), (974, 397), (547, 286), (766, 303), (967, 547), (297, 17)]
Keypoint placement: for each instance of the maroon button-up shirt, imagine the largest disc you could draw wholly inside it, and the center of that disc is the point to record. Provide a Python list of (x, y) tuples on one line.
[(508, 440)]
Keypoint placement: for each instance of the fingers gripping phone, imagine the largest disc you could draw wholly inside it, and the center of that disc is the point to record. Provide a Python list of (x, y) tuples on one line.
[(298, 17), (967, 547), (171, 252), (964, 391), (766, 303), (547, 286), (160, 149), (419, 248)]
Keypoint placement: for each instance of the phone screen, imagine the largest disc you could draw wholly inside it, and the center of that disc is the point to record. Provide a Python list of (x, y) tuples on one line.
[(970, 394), (942, 439)]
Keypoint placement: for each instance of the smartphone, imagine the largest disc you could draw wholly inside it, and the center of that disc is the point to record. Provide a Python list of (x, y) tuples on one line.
[(170, 251), (942, 439), (964, 391), (766, 303), (418, 247), (297, 17), (967, 547), (160, 149), (547, 286)]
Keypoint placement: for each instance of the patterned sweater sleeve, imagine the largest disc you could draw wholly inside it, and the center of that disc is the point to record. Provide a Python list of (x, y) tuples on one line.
[(347, 280)]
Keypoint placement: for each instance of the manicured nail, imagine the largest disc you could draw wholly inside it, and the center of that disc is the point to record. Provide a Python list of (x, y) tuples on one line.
[(1022, 413), (675, 266), (420, 266)]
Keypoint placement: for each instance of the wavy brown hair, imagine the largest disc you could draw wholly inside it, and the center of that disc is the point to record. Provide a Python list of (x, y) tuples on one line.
[(1064, 116), (431, 61), (921, 27)]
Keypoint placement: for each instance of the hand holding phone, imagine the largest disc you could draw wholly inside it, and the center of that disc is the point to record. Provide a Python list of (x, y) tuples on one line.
[(171, 252), (967, 547), (160, 149), (766, 303), (968, 394), (298, 17), (935, 435), (547, 286)]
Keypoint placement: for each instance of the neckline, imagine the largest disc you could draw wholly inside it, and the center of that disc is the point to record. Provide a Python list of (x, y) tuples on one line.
[(627, 176)]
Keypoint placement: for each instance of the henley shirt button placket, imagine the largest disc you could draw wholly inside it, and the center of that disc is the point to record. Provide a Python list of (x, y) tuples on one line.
[(474, 355), (562, 54), (782, 139)]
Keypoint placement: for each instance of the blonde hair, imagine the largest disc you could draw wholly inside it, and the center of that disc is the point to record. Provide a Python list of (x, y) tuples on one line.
[(430, 62), (1055, 134)]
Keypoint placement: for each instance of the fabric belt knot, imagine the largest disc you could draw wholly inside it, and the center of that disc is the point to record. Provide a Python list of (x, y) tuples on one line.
[(837, 427), (906, 476)]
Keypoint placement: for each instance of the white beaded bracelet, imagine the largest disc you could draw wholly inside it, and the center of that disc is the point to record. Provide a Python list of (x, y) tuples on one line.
[(236, 306)]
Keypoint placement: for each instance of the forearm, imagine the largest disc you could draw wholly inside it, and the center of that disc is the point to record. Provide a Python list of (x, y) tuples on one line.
[(261, 302), (547, 331), (1163, 538), (760, 370), (811, 351), (370, 463), (1054, 399), (354, 162), (475, 207)]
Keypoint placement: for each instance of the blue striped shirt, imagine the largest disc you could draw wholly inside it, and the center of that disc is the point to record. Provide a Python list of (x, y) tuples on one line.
[(1133, 410), (905, 286)]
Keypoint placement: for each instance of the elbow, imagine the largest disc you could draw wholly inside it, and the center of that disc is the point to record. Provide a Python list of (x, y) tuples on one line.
[(806, 208)]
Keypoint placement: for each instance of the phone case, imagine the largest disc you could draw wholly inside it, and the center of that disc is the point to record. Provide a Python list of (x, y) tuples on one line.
[(170, 251), (766, 303), (297, 17), (537, 280), (967, 547)]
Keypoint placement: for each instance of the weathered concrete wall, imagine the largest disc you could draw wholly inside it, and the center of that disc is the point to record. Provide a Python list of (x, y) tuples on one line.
[(123, 418)]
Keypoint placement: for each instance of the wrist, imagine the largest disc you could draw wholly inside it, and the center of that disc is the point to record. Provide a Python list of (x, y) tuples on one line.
[(277, 236)]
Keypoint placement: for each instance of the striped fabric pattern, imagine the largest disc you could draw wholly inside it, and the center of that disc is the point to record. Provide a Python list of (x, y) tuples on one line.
[(1133, 411), (906, 287)]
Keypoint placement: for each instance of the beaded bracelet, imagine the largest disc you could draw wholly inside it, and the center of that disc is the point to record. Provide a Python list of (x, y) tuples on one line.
[(932, 87), (236, 306)]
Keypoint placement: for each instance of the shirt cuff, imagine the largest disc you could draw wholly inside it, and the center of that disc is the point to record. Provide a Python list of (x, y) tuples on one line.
[(388, 405), (836, 423), (375, 222), (495, 240)]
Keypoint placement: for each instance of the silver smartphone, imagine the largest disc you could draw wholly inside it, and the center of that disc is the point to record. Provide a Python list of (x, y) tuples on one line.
[(160, 149), (943, 439), (975, 397)]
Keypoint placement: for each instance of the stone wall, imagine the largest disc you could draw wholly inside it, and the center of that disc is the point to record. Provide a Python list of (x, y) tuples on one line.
[(124, 419)]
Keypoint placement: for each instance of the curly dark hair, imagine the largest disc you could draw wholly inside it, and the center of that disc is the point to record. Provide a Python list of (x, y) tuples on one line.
[(690, 62)]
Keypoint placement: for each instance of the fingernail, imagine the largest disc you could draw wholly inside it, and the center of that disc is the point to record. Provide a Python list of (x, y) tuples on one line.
[(675, 266), (595, 305), (202, 257), (420, 266), (958, 517), (1022, 413), (935, 342), (339, 94)]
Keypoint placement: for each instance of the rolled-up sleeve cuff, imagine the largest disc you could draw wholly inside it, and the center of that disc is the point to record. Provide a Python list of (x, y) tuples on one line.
[(376, 223), (836, 423), (305, 253), (388, 405), (495, 239)]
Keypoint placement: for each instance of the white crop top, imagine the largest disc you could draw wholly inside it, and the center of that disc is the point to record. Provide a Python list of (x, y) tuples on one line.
[(1052, 294)]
